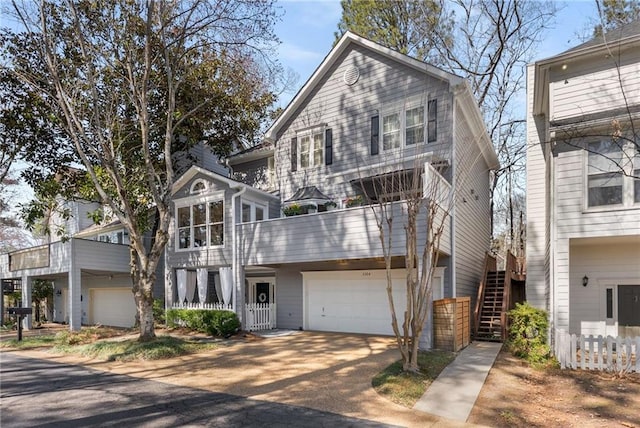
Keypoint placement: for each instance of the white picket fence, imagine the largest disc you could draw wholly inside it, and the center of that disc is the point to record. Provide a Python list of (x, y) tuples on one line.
[(260, 316), (208, 306), (615, 354)]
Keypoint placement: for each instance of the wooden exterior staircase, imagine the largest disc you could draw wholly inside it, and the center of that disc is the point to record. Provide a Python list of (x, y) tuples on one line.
[(499, 291)]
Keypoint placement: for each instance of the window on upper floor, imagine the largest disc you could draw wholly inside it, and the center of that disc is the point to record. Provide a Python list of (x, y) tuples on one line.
[(200, 224), (253, 211), (612, 171), (407, 127), (311, 148)]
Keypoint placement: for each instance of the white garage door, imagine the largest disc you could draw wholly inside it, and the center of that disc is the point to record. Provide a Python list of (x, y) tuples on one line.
[(112, 306), (355, 301)]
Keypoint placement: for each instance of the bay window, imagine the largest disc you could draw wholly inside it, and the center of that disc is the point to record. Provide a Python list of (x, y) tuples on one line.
[(200, 224)]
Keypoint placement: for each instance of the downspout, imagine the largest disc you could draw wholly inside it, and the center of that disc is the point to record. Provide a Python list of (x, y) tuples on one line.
[(454, 187), (234, 251)]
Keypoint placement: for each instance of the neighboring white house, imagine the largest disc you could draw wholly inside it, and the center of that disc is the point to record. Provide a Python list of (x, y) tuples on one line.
[(366, 112), (583, 190)]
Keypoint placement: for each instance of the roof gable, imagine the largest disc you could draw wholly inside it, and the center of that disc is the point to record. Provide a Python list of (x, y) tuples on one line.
[(347, 40), (233, 184)]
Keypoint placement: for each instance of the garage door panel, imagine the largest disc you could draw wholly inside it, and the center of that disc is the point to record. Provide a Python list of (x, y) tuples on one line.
[(113, 307), (355, 305)]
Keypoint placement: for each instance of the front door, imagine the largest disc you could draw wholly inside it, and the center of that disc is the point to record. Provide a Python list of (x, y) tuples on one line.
[(629, 310), (260, 308), (261, 290)]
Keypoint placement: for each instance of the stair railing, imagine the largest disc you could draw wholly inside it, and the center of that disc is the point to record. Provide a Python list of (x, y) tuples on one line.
[(510, 269), (490, 265)]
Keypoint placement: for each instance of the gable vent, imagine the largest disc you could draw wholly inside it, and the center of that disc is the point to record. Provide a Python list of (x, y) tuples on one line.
[(351, 75)]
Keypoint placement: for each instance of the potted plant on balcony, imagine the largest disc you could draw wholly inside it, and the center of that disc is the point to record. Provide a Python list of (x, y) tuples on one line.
[(330, 206), (354, 201), (311, 209), (293, 209)]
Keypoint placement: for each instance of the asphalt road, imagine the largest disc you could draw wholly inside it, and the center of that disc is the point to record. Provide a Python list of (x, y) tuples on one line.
[(43, 393)]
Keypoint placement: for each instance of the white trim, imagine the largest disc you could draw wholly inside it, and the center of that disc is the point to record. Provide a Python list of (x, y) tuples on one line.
[(191, 172)]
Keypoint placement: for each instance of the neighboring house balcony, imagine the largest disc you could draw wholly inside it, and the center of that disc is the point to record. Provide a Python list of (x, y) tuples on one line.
[(91, 280)]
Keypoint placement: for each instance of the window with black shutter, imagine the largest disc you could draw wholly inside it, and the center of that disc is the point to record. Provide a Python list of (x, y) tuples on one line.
[(432, 124), (294, 154), (375, 131), (328, 147)]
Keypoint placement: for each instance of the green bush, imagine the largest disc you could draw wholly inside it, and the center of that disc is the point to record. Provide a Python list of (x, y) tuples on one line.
[(528, 334), (214, 323), (158, 311)]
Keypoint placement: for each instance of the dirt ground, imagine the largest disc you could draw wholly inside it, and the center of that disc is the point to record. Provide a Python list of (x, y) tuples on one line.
[(515, 395)]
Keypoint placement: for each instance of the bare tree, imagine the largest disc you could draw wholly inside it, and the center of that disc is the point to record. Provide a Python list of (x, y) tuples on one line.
[(126, 82)]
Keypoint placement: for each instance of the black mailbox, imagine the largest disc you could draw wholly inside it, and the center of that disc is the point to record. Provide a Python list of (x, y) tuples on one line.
[(19, 311)]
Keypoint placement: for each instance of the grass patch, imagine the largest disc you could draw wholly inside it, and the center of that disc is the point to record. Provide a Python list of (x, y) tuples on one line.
[(162, 347), (30, 342), (94, 342), (406, 388)]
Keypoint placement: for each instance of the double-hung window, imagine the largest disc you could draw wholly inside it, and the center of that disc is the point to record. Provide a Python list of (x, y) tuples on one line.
[(200, 224), (311, 150), (414, 125), (613, 168), (605, 176), (391, 131), (408, 126)]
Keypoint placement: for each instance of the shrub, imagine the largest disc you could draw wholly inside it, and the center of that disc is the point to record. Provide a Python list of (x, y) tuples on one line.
[(528, 334), (158, 311), (214, 323)]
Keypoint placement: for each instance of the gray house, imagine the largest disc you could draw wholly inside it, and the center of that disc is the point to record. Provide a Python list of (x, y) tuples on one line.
[(583, 191), (366, 112), (90, 270)]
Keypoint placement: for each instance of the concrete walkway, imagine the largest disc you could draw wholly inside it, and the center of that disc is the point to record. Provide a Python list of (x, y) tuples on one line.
[(453, 394)]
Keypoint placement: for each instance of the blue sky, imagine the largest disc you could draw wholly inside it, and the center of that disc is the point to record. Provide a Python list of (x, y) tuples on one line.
[(307, 29)]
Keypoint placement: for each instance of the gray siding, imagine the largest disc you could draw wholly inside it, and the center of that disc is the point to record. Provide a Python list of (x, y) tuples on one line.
[(253, 173), (472, 211), (289, 298), (347, 110)]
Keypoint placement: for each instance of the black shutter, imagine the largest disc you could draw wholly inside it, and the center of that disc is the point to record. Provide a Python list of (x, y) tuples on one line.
[(375, 131), (294, 154), (328, 147)]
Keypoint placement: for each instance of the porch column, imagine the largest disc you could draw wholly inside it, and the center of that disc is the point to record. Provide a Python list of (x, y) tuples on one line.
[(27, 283), (238, 294), (75, 292), (169, 279)]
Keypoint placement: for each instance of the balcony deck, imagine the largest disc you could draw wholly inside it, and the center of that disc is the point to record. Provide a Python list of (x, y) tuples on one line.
[(351, 233)]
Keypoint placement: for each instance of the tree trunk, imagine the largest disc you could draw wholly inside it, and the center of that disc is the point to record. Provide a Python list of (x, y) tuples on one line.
[(144, 305)]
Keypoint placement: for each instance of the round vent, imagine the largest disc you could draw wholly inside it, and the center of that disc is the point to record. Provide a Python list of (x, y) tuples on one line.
[(351, 75)]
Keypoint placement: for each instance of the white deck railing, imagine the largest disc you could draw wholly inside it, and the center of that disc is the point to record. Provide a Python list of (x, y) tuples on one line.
[(616, 354)]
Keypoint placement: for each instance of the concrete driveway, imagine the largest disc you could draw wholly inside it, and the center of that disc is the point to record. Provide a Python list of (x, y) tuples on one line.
[(324, 371)]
